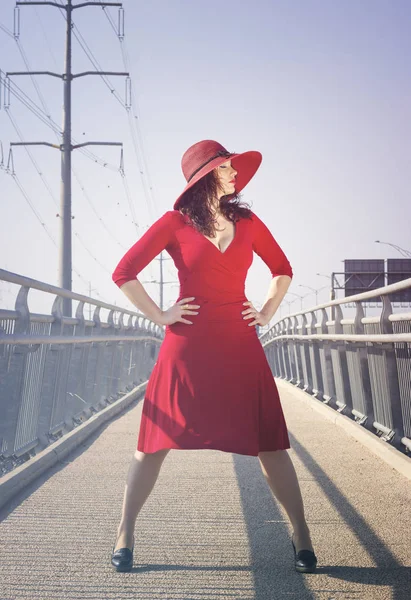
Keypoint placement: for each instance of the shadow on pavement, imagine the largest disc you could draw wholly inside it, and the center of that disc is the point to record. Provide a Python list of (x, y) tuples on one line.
[(269, 540), (271, 554)]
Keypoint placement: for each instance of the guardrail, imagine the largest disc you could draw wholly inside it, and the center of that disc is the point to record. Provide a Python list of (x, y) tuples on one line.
[(361, 367), (57, 371)]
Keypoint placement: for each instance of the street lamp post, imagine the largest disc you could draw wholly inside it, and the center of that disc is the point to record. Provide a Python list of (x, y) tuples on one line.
[(332, 293), (298, 296), (289, 302), (316, 290), (402, 251)]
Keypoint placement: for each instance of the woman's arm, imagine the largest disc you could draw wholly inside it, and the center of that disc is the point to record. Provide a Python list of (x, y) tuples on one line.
[(136, 293), (276, 292), (272, 254), (138, 296), (156, 238)]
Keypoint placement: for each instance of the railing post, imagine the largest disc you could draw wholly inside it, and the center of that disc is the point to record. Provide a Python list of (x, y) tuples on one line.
[(139, 349), (326, 362), (145, 364), (293, 349), (96, 367), (12, 377), (403, 360), (363, 409), (118, 357), (385, 384), (285, 348), (275, 357), (318, 386), (135, 354), (305, 357), (109, 352), (298, 355), (48, 385), (60, 421), (76, 382), (339, 361), (279, 356), (127, 357)]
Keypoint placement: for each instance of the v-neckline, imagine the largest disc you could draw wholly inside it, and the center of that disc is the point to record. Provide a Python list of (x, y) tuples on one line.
[(229, 245)]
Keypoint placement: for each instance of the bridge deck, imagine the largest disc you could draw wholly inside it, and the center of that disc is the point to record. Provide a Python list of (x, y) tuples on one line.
[(211, 529)]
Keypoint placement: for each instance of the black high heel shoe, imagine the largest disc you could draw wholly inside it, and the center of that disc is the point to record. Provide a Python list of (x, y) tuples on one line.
[(305, 560), (122, 559)]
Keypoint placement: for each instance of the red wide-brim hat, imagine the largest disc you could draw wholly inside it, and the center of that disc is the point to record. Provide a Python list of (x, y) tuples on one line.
[(203, 157)]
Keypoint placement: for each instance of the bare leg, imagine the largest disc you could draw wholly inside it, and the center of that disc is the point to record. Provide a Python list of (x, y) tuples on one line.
[(142, 475), (280, 474)]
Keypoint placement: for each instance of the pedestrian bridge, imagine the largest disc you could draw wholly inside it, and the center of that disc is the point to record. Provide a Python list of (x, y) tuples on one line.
[(71, 393)]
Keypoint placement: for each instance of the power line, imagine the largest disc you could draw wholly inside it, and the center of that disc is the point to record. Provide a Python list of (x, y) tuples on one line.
[(34, 210), (49, 188), (46, 39), (143, 170), (98, 68), (37, 215), (135, 123), (6, 30), (58, 133), (42, 177), (83, 44), (134, 137), (49, 235), (11, 87), (129, 199), (91, 254), (66, 150), (46, 118), (34, 82)]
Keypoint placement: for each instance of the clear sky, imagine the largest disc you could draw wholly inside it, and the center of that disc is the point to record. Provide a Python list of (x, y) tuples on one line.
[(321, 88)]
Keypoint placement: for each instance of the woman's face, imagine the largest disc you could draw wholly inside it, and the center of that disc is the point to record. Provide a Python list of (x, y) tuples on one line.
[(226, 175)]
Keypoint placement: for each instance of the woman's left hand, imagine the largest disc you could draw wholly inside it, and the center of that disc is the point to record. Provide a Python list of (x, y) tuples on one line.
[(252, 313)]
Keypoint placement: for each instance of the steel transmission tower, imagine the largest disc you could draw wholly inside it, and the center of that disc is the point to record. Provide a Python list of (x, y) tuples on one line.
[(65, 255)]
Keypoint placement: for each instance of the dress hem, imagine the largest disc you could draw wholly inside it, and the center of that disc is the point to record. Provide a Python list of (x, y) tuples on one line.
[(287, 447)]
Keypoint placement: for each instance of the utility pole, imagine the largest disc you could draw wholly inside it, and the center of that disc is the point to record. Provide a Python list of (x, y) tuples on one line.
[(161, 282), (65, 255)]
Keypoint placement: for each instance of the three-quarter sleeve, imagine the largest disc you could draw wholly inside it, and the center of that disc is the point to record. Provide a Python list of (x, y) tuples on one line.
[(269, 250), (154, 240)]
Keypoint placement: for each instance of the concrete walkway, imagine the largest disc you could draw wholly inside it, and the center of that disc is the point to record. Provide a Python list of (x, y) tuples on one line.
[(210, 529)]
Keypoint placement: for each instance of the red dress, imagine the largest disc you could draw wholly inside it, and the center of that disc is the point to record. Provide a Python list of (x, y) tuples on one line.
[(211, 386)]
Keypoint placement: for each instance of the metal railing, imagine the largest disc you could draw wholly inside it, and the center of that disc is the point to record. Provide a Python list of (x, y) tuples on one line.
[(57, 371), (361, 367)]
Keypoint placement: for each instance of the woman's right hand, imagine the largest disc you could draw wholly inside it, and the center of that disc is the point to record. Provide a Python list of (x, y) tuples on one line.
[(175, 313)]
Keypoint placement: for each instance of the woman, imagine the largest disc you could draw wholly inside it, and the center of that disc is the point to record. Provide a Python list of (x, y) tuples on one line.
[(211, 386)]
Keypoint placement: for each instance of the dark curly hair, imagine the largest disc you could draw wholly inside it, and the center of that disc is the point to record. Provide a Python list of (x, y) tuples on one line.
[(196, 204)]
